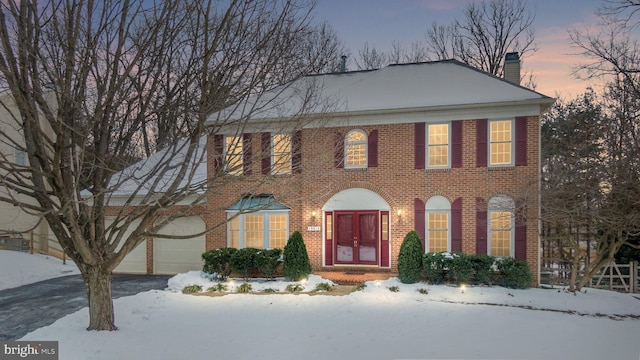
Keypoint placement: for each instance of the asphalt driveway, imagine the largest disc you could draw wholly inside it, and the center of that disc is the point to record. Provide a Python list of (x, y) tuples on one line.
[(29, 307)]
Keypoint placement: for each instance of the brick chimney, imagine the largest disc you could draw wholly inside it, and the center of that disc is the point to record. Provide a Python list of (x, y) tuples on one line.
[(512, 68)]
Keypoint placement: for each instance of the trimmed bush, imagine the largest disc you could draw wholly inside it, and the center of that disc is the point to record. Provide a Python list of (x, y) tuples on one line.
[(243, 261), (482, 265), (267, 262), (514, 273), (435, 266), (410, 259), (296, 259), (461, 268), (217, 262)]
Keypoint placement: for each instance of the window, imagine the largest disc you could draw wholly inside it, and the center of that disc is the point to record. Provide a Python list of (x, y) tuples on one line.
[(261, 230), (501, 142), (438, 213), (20, 156), (501, 234), (356, 149), (438, 145), (281, 154), (257, 221), (233, 151)]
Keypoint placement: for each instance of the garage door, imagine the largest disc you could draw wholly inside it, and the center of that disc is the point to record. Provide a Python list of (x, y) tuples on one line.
[(172, 256), (136, 261)]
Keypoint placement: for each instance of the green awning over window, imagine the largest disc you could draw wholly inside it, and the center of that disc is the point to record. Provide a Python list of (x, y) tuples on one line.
[(259, 202)]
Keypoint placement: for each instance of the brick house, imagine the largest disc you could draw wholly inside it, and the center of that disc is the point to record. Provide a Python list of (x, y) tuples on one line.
[(364, 158), (436, 147)]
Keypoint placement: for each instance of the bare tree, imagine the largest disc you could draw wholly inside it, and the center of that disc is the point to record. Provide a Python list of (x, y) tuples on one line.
[(97, 85), (487, 33)]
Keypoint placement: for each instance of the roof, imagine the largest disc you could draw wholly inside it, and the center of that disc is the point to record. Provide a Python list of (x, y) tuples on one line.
[(142, 177), (395, 87), (259, 202)]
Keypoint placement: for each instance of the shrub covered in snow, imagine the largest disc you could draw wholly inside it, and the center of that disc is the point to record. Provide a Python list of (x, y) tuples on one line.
[(217, 262), (410, 258), (243, 261), (436, 265), (461, 268), (483, 272), (296, 259)]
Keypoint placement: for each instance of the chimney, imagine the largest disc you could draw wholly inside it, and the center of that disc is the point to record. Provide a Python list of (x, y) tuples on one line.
[(512, 68), (343, 64)]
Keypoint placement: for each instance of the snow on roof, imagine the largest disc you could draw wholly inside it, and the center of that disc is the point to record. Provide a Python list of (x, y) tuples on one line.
[(142, 177), (395, 87)]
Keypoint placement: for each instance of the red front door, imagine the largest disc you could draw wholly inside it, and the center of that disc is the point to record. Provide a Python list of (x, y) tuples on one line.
[(356, 237)]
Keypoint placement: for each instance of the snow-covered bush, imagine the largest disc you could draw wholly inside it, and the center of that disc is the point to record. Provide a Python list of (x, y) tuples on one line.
[(514, 273), (217, 262), (436, 265)]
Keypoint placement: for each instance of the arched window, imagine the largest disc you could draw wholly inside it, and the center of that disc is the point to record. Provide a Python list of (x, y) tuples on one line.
[(501, 211), (438, 219), (355, 149)]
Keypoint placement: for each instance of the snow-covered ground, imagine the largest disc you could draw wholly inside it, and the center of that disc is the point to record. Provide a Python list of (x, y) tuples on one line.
[(18, 268), (445, 323)]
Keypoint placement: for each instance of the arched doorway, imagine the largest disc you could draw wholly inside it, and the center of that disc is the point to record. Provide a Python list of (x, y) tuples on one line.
[(356, 229)]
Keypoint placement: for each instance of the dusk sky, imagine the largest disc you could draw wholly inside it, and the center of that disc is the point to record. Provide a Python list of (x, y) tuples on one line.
[(381, 22)]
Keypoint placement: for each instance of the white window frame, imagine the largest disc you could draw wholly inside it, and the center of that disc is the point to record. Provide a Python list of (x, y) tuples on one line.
[(265, 226), (428, 145), (364, 142), (437, 205), (501, 203), (273, 154), (240, 169), (513, 143)]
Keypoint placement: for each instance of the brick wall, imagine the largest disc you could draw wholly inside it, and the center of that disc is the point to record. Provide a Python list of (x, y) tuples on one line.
[(395, 180)]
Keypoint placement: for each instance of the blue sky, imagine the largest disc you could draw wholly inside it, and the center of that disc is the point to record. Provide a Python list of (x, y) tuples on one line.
[(380, 22)]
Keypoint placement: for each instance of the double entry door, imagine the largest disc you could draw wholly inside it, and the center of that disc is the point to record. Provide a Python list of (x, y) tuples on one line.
[(356, 237)]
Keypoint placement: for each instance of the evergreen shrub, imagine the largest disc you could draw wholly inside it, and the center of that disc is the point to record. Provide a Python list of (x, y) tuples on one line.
[(267, 262), (461, 268), (410, 258), (296, 259), (482, 265), (435, 266), (514, 273), (217, 262), (243, 261)]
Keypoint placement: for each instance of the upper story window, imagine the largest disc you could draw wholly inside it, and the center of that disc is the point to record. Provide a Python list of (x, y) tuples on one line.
[(501, 142), (233, 154), (281, 154), (19, 156), (355, 149), (501, 224), (438, 141), (438, 213)]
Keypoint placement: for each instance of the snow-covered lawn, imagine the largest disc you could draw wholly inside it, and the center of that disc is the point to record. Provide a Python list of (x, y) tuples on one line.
[(445, 323), (18, 268)]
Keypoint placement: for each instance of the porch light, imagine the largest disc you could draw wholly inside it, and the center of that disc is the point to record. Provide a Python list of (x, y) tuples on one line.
[(313, 216)]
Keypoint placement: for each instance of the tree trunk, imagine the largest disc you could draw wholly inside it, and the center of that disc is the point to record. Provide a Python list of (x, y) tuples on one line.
[(98, 283)]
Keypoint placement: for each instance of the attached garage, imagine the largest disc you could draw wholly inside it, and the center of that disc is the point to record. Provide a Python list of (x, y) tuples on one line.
[(136, 261), (172, 256)]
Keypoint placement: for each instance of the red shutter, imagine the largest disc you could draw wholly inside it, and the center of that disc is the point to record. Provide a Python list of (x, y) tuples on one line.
[(328, 240), (384, 244), (456, 144), (521, 141), (218, 153), (481, 142), (456, 225), (296, 152), (372, 149), (419, 219), (520, 250), (481, 226), (265, 149), (247, 152), (420, 145), (339, 150)]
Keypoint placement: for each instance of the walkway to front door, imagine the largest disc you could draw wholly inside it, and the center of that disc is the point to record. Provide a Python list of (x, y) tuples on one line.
[(356, 237)]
